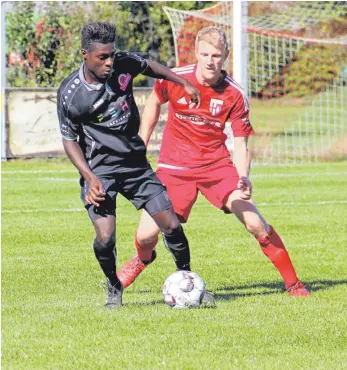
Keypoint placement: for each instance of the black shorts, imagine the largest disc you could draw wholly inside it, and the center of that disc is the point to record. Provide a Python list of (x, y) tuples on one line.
[(139, 186)]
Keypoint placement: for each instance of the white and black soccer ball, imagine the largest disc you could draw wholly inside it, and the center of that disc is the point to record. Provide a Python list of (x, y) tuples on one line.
[(184, 289)]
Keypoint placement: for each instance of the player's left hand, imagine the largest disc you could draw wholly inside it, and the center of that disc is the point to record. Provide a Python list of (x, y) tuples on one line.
[(194, 93), (245, 185)]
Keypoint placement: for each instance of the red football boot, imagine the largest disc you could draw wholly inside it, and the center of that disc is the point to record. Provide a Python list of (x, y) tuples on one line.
[(298, 290), (132, 269)]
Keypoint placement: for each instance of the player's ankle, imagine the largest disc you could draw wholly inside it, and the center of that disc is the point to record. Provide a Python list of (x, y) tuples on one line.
[(183, 266), (147, 261)]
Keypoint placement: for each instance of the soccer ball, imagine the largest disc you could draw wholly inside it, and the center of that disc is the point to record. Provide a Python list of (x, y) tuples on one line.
[(183, 289)]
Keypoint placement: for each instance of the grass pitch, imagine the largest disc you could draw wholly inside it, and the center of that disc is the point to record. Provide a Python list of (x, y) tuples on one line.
[(53, 289)]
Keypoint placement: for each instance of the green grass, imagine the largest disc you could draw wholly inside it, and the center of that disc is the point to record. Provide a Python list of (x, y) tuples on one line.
[(52, 288)]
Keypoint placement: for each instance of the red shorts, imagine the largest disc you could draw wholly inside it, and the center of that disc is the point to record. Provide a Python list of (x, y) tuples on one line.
[(216, 182)]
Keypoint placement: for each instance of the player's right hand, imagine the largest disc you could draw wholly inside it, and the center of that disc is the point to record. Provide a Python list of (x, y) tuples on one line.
[(96, 193), (194, 93), (245, 185)]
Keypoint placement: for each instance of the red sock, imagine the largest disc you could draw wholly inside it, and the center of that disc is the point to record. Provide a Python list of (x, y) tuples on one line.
[(274, 249), (144, 251)]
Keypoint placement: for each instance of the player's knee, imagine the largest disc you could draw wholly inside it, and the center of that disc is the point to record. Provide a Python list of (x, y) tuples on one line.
[(176, 237), (146, 237), (255, 227), (171, 226), (105, 244), (105, 237)]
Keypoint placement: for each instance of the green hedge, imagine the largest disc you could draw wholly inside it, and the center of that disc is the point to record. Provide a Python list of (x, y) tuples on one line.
[(46, 35)]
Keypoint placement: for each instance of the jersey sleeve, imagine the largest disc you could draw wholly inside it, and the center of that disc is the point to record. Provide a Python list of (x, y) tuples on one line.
[(239, 117), (161, 89), (68, 128), (131, 63)]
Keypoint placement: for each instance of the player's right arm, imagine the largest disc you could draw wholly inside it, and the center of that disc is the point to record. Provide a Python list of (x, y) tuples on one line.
[(150, 117), (96, 192), (69, 131)]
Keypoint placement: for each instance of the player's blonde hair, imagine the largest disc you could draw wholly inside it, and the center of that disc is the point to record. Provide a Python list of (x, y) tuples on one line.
[(214, 36)]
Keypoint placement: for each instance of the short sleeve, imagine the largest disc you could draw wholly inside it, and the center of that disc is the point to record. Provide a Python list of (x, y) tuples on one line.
[(239, 117), (160, 88), (131, 63), (68, 129)]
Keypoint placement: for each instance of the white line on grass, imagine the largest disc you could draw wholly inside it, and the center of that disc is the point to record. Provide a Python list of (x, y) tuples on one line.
[(300, 204), (38, 171), (257, 175), (298, 174), (75, 179), (41, 210), (49, 210)]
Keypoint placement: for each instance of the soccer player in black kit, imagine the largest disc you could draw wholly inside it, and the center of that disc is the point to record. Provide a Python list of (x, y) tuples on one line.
[(99, 123)]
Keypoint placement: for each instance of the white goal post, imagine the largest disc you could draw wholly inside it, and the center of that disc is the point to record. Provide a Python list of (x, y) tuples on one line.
[(296, 75)]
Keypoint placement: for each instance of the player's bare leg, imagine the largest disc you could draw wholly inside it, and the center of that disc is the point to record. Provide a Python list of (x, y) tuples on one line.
[(269, 241), (146, 239)]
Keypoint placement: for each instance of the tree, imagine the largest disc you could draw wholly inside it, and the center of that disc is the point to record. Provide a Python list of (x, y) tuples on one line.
[(44, 37)]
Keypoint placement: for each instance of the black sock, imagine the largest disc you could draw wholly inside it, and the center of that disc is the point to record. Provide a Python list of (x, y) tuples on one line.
[(177, 243), (105, 253), (115, 283)]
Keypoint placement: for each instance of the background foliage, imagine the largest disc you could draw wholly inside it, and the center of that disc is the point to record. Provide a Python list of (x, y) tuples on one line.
[(43, 43), (45, 36)]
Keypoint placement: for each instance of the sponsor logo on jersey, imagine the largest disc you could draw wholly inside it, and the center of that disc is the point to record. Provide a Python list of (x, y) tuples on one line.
[(197, 120), (124, 80), (98, 103), (119, 120), (182, 100), (114, 112), (216, 106)]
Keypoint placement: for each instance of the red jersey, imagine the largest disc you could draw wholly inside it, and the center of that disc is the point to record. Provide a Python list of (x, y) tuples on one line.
[(194, 137)]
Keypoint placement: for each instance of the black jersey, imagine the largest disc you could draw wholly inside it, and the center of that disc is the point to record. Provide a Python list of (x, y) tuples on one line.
[(104, 118)]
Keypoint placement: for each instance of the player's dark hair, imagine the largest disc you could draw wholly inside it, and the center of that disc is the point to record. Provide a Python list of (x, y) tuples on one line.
[(98, 32)]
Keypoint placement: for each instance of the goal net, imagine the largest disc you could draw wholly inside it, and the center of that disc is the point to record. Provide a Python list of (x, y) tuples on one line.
[(297, 74)]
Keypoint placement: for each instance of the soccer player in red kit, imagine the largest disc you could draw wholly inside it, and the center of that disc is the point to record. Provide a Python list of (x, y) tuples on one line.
[(194, 158)]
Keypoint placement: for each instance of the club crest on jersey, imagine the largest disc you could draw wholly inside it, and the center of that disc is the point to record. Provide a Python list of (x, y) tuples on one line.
[(124, 80), (216, 106)]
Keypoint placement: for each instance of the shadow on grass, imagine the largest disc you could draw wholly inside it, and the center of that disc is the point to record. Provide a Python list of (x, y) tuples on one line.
[(239, 291), (234, 292), (139, 303), (156, 302)]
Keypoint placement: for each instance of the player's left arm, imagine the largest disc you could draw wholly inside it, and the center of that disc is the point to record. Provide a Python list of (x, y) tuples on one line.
[(242, 162), (150, 117), (157, 70), (241, 156), (242, 129)]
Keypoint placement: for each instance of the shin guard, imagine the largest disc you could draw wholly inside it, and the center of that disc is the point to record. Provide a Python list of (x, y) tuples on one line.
[(177, 243), (105, 253), (273, 247)]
